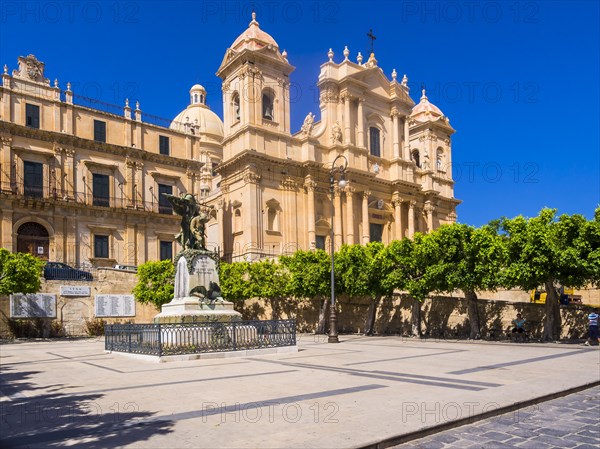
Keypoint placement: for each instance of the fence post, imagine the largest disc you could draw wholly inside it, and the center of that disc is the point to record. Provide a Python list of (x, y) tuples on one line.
[(234, 336), (159, 341), (128, 328)]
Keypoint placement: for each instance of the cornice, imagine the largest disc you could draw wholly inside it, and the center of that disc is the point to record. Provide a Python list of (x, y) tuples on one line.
[(71, 141)]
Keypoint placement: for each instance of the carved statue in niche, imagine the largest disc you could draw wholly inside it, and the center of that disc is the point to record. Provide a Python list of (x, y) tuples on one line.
[(336, 133)]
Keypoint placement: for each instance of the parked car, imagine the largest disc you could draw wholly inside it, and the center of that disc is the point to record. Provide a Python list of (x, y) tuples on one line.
[(126, 268), (62, 271)]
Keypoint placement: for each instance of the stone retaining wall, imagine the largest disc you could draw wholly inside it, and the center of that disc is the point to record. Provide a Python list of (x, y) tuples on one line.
[(73, 312)]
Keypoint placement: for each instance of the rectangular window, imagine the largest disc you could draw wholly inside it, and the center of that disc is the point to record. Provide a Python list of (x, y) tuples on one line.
[(376, 232), (163, 145), (101, 246), (33, 179), (374, 144), (320, 243), (164, 206), (166, 250), (32, 115), (99, 131), (101, 190)]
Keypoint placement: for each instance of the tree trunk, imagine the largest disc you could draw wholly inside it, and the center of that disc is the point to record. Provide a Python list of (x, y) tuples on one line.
[(322, 326), (371, 314), (415, 318), (473, 314), (553, 322), (275, 308)]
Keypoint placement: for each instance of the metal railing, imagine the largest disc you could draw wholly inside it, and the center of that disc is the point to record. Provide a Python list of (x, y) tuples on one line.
[(197, 338), (48, 193)]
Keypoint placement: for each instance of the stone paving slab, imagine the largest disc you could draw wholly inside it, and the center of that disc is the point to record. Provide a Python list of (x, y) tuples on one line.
[(552, 424), (353, 394)]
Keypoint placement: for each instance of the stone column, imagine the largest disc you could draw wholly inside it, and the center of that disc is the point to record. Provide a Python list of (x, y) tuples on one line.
[(220, 222), (349, 215), (395, 132), (252, 219), (406, 140), (56, 108), (360, 140), (310, 187), (59, 182), (141, 250), (6, 235), (69, 173), (365, 218), (429, 214), (347, 127), (411, 219), (397, 203), (337, 196), (7, 163)]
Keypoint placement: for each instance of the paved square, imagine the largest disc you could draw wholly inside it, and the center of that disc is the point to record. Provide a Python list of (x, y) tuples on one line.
[(359, 392)]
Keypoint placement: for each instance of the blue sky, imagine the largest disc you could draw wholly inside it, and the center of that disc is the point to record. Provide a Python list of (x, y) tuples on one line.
[(519, 80)]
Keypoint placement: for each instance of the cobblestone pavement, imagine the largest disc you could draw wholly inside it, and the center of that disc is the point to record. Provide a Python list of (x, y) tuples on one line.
[(572, 421)]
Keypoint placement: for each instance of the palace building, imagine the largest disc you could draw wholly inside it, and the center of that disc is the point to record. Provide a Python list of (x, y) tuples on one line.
[(82, 182)]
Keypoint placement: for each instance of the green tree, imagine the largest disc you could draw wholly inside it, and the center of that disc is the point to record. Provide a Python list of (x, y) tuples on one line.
[(309, 277), (550, 251), (406, 263), (19, 272), (360, 272), (468, 259), (155, 284), (235, 281), (269, 281)]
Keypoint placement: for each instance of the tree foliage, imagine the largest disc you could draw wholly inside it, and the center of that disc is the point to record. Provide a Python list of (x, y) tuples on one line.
[(468, 259), (19, 272), (360, 272), (550, 251), (235, 281), (155, 284), (309, 276), (309, 273)]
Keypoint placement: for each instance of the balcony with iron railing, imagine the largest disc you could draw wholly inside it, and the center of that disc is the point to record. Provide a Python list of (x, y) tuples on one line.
[(45, 193)]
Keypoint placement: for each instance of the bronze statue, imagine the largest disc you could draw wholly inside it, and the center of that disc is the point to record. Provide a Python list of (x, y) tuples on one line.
[(193, 221)]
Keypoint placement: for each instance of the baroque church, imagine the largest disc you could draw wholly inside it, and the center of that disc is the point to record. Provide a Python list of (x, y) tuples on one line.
[(83, 184)]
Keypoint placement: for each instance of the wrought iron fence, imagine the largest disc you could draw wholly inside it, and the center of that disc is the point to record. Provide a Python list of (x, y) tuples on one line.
[(197, 338), (46, 192)]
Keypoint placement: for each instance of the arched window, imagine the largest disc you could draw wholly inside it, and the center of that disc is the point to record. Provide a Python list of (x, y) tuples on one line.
[(267, 105), (439, 160), (272, 220), (273, 210), (237, 220), (416, 158), (236, 106), (195, 98), (374, 144)]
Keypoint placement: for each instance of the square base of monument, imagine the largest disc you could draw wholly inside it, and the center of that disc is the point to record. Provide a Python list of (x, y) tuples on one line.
[(190, 310)]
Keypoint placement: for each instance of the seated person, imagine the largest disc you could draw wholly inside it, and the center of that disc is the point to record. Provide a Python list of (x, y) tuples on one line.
[(519, 323)]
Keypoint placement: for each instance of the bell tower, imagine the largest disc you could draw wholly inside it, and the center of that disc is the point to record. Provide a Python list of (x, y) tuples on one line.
[(256, 105)]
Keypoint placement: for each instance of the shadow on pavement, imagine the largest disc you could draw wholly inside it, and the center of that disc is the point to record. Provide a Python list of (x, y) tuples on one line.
[(56, 419)]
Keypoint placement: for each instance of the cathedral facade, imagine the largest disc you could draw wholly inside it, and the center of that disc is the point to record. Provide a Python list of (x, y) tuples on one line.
[(83, 184)]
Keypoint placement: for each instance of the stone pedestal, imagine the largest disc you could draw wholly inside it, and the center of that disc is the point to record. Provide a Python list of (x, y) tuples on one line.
[(190, 310)]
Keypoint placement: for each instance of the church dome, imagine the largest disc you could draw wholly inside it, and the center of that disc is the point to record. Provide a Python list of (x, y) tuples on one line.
[(426, 110), (199, 115), (253, 38)]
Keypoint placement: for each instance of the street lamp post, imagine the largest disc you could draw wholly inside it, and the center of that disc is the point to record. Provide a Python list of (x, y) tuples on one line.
[(341, 169)]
